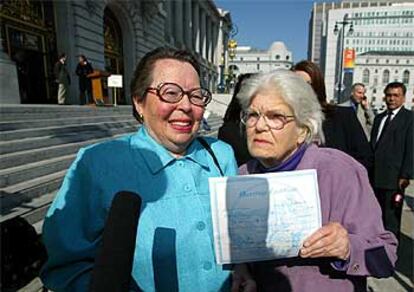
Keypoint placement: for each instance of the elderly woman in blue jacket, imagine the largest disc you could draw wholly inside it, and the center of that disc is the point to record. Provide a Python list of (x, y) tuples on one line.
[(164, 163)]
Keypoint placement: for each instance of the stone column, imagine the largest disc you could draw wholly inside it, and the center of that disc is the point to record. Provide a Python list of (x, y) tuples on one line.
[(214, 50), (169, 22), (196, 27), (203, 47), (178, 23), (208, 37), (188, 27)]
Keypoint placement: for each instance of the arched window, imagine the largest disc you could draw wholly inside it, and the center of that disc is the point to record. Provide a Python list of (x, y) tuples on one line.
[(406, 77), (386, 76), (365, 76)]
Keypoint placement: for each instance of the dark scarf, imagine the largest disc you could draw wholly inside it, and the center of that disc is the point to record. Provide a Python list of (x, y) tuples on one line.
[(290, 164)]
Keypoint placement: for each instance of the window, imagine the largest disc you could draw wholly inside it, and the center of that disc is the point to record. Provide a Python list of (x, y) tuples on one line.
[(365, 76), (241, 59), (258, 67), (277, 57), (386, 76), (287, 58), (258, 59), (406, 77)]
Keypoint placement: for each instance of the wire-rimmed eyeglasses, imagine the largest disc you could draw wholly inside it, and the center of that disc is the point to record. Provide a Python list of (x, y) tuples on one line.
[(275, 120), (172, 93)]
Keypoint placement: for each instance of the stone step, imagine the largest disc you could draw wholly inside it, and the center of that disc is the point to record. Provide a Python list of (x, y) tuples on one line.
[(34, 155), (93, 125), (20, 195), (33, 211), (6, 127), (22, 112), (69, 137), (18, 174)]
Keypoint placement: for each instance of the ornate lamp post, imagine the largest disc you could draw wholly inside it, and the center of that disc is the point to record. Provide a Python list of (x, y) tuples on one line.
[(231, 51), (340, 27)]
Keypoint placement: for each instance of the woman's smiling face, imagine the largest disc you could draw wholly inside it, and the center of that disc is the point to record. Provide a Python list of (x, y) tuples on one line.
[(173, 125)]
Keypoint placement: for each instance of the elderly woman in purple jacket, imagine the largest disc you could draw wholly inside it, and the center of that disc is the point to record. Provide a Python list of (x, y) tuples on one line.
[(282, 117)]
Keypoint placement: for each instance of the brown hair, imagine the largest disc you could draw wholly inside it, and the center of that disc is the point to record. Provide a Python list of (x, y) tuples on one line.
[(318, 83), (234, 108), (142, 78)]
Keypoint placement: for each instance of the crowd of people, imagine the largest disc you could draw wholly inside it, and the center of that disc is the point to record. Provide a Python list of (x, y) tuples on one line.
[(276, 122)]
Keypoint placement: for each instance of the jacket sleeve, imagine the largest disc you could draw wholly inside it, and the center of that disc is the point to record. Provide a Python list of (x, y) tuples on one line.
[(373, 249), (56, 71), (407, 162), (72, 231)]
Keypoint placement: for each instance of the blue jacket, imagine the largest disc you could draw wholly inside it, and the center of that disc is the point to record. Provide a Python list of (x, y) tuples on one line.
[(175, 196)]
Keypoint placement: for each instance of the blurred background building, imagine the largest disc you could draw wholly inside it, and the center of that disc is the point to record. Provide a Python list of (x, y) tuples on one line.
[(251, 60), (344, 36), (113, 34)]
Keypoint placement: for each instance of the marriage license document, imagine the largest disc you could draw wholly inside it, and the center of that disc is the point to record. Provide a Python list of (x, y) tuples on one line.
[(263, 216)]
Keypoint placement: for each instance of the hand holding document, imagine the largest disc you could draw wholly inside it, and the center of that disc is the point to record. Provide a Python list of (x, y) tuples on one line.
[(263, 216)]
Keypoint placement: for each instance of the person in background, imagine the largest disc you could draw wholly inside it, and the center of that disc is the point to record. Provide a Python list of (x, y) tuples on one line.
[(167, 166), (392, 141), (83, 69), (282, 117), (231, 131), (204, 122), (340, 127), (359, 103), (62, 78)]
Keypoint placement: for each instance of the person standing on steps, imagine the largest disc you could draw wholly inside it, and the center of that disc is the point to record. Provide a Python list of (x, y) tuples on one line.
[(62, 77), (83, 69)]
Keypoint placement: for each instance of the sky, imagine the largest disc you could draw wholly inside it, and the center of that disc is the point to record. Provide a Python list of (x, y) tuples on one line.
[(262, 22)]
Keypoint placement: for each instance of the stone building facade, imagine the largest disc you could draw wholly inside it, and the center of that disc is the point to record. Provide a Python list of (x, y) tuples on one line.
[(113, 34), (377, 69), (250, 60), (375, 29)]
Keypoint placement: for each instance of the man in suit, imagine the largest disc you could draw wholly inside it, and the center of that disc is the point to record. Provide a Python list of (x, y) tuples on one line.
[(392, 141), (62, 78), (359, 102)]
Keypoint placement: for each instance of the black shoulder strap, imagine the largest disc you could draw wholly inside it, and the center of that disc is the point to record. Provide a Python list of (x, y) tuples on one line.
[(208, 148)]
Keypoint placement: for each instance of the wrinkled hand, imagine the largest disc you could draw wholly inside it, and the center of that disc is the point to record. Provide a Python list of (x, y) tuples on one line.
[(403, 183), (330, 240), (242, 280)]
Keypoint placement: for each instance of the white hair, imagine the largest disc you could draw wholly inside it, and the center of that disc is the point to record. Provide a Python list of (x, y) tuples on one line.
[(298, 94)]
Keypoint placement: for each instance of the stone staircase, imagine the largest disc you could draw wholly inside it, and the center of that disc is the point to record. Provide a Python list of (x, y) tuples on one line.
[(38, 143)]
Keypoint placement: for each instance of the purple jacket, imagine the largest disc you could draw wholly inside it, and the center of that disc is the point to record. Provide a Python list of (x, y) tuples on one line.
[(346, 197)]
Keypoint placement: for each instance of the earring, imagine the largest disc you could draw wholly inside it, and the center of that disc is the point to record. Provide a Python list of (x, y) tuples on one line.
[(141, 117)]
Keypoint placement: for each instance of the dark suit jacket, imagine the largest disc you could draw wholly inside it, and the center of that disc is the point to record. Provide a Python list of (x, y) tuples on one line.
[(394, 152), (343, 131)]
